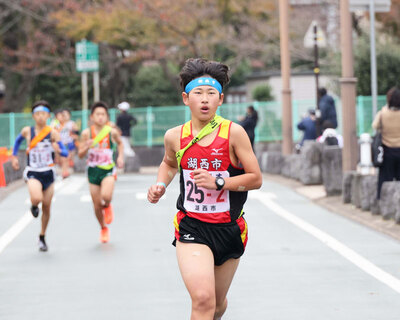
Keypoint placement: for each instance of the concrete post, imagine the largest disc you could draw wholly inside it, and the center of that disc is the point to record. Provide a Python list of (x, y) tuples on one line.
[(285, 71), (348, 90)]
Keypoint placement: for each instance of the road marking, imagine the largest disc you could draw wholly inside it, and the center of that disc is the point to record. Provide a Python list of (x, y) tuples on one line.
[(73, 184), (355, 258), (21, 224), (86, 198), (143, 196), (15, 230)]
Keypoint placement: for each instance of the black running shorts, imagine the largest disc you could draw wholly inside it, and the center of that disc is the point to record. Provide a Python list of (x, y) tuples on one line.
[(226, 240), (46, 178)]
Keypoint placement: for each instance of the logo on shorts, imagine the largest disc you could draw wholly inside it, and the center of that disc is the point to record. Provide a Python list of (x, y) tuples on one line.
[(216, 152), (187, 237)]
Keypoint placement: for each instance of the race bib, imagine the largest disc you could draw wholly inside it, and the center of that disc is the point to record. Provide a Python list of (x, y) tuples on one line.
[(41, 155), (65, 136), (201, 200), (99, 157)]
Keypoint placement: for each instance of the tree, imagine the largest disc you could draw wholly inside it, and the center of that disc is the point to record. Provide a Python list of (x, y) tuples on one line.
[(391, 20), (388, 66), (152, 89), (29, 47), (263, 93), (170, 32)]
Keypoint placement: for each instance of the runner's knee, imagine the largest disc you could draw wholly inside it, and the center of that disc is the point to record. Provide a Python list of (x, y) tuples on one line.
[(106, 198), (220, 308), (36, 199), (203, 300)]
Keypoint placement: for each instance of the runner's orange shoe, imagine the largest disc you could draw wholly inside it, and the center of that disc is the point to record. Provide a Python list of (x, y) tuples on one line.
[(108, 214), (104, 235)]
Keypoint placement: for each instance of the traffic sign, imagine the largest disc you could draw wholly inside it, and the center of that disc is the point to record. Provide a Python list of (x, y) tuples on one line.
[(87, 56), (363, 5), (309, 40)]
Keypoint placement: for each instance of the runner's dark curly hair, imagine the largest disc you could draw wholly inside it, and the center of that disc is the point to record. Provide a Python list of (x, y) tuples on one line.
[(41, 103), (197, 67)]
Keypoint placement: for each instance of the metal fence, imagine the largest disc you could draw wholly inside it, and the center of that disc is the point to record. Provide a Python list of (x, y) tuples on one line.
[(152, 122)]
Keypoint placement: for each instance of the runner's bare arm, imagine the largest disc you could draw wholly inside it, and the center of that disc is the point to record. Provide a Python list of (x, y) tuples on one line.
[(55, 137), (242, 152), (57, 144), (84, 144), (120, 147), (168, 166)]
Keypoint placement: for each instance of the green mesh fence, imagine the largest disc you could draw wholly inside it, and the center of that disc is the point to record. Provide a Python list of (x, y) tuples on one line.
[(364, 113), (153, 122)]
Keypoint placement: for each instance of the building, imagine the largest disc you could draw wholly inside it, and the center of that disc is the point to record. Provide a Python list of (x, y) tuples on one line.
[(302, 84)]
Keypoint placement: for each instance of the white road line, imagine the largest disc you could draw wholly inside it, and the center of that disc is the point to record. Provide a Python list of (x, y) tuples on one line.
[(15, 230), (73, 184), (355, 258), (143, 196), (85, 198), (21, 224)]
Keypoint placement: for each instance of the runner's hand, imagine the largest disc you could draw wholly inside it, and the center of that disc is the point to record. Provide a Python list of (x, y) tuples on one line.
[(155, 193), (15, 163), (204, 179), (88, 144), (120, 162)]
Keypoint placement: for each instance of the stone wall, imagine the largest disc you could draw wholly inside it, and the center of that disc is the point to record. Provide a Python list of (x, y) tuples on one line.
[(12, 175)]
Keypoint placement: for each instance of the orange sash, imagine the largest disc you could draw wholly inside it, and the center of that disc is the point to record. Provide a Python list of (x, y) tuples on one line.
[(39, 137)]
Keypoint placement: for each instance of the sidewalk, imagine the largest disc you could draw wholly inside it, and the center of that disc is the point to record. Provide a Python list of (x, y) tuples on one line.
[(335, 204)]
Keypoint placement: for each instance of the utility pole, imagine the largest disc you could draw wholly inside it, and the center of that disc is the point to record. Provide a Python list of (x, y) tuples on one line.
[(287, 144), (374, 77), (348, 90), (316, 72)]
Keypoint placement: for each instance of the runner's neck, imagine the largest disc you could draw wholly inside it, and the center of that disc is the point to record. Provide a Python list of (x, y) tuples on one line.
[(39, 128), (98, 128), (197, 125)]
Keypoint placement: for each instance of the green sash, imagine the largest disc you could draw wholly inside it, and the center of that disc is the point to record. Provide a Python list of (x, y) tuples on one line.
[(210, 127)]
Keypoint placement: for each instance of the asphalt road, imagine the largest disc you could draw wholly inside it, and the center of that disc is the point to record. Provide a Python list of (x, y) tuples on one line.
[(302, 262)]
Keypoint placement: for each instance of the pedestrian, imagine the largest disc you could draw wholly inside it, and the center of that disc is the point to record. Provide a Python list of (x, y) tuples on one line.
[(387, 120), (124, 122), (97, 141), (217, 167), (330, 136), (249, 123), (327, 108), (307, 125), (39, 174)]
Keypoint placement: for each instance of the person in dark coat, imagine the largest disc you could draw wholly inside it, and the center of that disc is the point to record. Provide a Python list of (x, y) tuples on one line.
[(249, 123), (307, 124), (124, 122), (327, 108)]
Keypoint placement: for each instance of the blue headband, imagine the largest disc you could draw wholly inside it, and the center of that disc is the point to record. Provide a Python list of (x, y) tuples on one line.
[(203, 82), (41, 108)]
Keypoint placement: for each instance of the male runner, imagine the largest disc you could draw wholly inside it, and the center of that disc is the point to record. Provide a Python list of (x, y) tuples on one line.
[(97, 141), (218, 167), (39, 173)]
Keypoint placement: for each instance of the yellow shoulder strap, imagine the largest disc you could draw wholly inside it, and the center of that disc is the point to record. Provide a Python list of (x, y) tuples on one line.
[(186, 130), (224, 130)]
